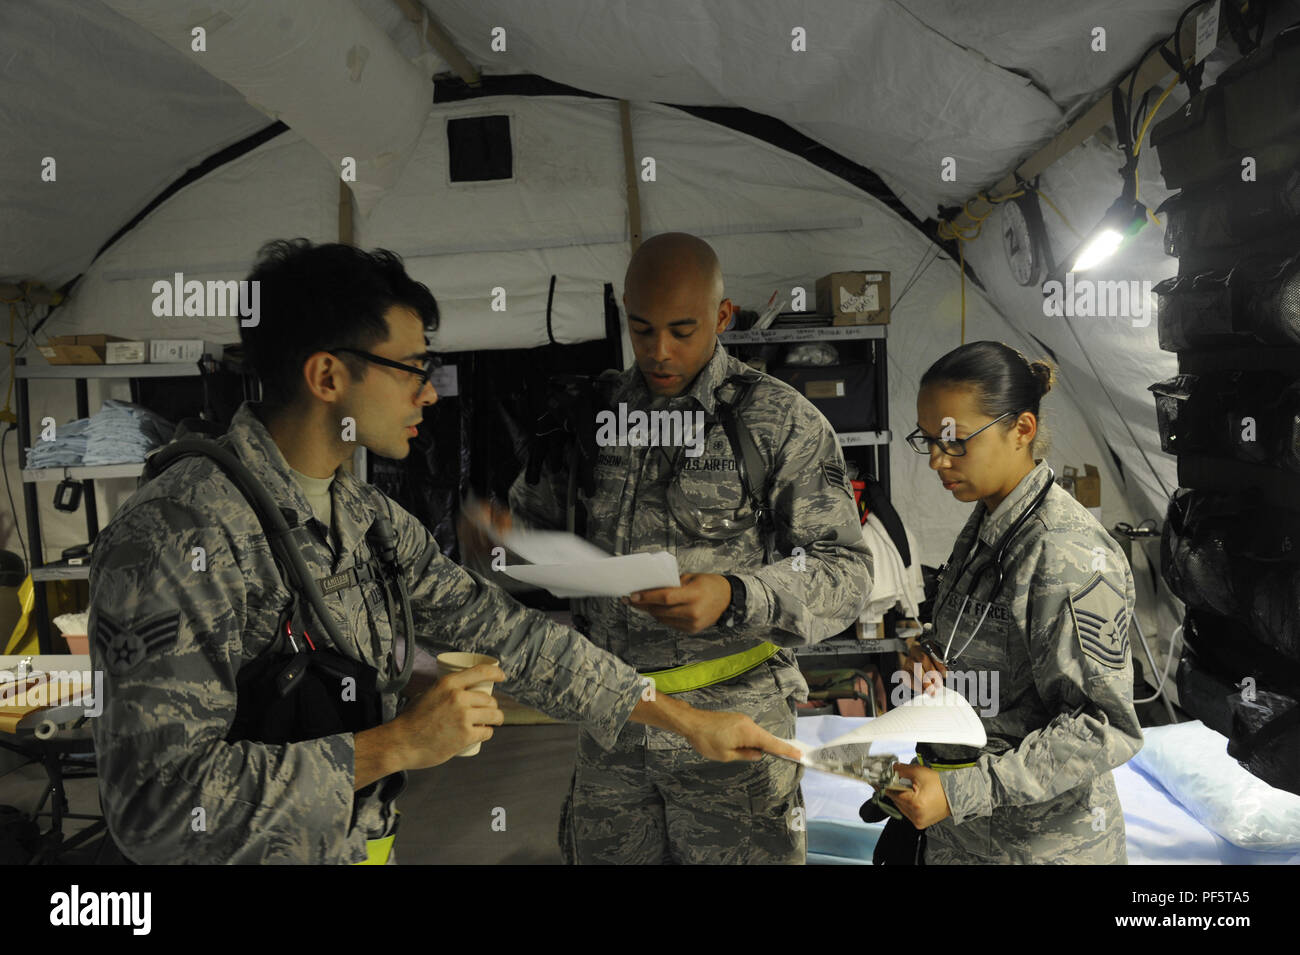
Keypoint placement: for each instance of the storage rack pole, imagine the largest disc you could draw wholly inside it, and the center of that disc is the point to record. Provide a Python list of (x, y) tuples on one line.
[(31, 505)]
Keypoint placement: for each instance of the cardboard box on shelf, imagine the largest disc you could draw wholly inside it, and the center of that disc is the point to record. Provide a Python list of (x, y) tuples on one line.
[(1085, 487), (869, 631), (77, 349), (855, 298)]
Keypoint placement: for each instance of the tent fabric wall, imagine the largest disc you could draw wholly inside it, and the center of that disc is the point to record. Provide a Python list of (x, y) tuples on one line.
[(122, 114), (320, 67), (208, 230)]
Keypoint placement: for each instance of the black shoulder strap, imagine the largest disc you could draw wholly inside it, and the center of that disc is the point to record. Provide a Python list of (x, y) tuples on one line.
[(750, 467), (272, 519), (286, 541)]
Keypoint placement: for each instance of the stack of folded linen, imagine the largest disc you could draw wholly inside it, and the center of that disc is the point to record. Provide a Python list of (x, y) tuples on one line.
[(123, 433), (65, 450)]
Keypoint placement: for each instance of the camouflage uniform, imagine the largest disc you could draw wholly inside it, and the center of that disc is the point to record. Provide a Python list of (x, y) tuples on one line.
[(653, 799), (1057, 640), (172, 640)]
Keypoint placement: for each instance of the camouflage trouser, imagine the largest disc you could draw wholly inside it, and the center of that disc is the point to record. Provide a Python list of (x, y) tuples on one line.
[(649, 806)]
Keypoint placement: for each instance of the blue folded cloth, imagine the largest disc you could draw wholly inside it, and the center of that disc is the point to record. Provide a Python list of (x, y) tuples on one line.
[(123, 433), (65, 451)]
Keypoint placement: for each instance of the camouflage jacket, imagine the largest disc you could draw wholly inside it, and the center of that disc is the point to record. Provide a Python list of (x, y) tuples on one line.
[(172, 639), (813, 586), (1050, 673)]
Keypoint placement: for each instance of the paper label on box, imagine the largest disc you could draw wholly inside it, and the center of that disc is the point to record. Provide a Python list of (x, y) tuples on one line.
[(165, 350), (1207, 32), (868, 301), (125, 353), (824, 389)]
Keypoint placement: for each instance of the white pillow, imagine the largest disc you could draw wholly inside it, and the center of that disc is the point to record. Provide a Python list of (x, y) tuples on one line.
[(1191, 761)]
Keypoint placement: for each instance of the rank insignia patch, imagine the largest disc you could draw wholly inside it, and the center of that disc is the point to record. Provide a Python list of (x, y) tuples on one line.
[(122, 648), (834, 475), (1101, 621)]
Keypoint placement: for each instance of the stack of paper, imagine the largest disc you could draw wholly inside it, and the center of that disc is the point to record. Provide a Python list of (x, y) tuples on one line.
[(568, 566)]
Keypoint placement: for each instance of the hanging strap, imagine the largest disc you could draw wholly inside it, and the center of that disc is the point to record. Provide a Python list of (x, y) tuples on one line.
[(550, 300), (750, 467)]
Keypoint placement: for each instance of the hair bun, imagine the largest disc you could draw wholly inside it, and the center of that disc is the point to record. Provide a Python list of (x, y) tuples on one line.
[(1044, 374)]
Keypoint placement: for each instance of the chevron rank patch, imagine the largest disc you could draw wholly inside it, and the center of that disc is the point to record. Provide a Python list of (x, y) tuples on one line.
[(122, 648), (1101, 620), (834, 475)]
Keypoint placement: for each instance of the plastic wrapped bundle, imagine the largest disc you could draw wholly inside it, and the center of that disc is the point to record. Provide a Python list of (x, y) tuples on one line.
[(1266, 737), (1225, 556)]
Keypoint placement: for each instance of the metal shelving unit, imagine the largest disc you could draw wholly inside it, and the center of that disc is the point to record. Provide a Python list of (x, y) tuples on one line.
[(103, 472), (814, 333), (843, 651), (32, 477), (876, 336)]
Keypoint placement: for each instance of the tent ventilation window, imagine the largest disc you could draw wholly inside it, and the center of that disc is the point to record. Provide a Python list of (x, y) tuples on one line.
[(479, 148)]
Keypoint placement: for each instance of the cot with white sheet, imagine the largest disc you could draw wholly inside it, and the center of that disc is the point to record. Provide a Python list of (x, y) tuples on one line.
[(1160, 828)]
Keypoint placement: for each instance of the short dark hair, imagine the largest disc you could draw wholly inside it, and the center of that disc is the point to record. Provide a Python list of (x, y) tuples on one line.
[(320, 297), (1004, 380)]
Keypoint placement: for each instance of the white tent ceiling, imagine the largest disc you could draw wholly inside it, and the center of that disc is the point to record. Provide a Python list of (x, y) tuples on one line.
[(893, 87)]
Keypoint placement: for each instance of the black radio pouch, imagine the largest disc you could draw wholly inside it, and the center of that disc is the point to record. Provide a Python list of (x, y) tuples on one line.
[(288, 697)]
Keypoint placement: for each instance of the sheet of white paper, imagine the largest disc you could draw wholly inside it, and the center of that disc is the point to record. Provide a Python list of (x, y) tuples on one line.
[(945, 717), (804, 748), (607, 577), (551, 547), (537, 547)]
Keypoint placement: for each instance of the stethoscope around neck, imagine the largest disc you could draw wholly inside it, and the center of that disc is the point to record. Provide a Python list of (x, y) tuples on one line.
[(996, 564)]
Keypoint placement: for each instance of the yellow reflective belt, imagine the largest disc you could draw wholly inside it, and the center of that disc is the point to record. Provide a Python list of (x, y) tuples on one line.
[(941, 767), (694, 676), (378, 850)]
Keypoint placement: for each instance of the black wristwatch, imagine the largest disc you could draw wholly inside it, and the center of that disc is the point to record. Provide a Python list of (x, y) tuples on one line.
[(734, 615)]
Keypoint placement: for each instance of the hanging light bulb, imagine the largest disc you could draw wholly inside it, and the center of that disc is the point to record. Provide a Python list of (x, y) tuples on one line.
[(1122, 221)]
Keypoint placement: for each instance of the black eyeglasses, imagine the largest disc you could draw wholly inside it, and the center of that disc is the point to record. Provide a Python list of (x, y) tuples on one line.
[(429, 365), (955, 447)]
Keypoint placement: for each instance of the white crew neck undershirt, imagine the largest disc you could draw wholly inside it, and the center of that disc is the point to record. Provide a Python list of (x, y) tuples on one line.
[(317, 491)]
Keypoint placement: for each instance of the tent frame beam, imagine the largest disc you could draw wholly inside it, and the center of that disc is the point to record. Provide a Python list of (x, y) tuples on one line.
[(1151, 72), (437, 38), (629, 169)]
